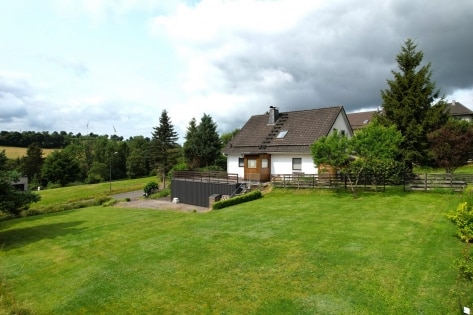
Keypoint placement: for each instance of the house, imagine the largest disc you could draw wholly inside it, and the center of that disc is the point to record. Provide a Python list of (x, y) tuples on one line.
[(21, 183), (460, 111), (360, 119), (456, 109), (279, 142)]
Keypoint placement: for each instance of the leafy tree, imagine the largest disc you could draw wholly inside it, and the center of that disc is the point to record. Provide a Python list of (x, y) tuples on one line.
[(408, 103), (451, 145), (138, 160), (208, 145), (164, 138), (61, 168), (372, 148), (333, 150), (32, 163), (12, 201), (375, 148)]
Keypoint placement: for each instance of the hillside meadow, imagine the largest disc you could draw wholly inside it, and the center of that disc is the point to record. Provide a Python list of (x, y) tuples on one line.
[(15, 152), (291, 252)]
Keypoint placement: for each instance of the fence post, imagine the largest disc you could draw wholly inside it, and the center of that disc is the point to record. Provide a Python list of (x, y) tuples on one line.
[(425, 182)]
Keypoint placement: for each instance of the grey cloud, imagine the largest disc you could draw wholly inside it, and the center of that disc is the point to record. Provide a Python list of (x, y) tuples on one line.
[(344, 53)]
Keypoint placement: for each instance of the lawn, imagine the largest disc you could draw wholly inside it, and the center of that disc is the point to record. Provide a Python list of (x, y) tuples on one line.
[(291, 252)]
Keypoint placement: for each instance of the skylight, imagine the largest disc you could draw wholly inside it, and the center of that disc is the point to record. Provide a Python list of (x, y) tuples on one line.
[(282, 134)]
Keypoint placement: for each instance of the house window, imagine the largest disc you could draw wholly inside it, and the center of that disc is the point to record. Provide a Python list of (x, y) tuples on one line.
[(281, 134), (296, 164), (264, 163), (251, 163), (343, 133), (241, 162)]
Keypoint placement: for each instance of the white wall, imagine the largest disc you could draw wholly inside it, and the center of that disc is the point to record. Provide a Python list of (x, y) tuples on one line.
[(342, 124), (282, 164), (232, 165)]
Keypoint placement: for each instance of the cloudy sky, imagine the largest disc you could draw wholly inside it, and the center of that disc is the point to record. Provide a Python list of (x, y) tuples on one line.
[(112, 66)]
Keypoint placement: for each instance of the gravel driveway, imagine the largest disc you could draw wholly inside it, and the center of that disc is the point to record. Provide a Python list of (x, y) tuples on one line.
[(138, 201)]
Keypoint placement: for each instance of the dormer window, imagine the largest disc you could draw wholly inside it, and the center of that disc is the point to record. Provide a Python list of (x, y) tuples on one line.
[(281, 134)]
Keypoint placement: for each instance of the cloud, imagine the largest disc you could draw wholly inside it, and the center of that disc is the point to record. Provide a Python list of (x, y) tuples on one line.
[(297, 55), (77, 67)]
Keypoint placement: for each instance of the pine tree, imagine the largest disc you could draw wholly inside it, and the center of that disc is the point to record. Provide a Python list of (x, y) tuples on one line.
[(408, 104), (164, 138), (209, 145), (190, 145)]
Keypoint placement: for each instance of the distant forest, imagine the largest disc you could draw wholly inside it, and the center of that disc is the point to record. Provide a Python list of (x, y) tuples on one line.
[(46, 140)]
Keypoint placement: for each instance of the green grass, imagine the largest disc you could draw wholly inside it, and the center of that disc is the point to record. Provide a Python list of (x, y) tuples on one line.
[(81, 192), (291, 252)]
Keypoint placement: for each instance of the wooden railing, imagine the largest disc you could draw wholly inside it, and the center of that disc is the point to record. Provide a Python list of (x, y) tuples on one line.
[(208, 176)]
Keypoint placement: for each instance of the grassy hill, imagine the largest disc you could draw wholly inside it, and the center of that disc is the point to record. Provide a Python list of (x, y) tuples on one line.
[(292, 252), (14, 152)]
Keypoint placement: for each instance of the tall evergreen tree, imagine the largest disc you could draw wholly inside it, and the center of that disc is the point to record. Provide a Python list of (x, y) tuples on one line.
[(190, 145), (408, 103), (164, 138), (208, 142)]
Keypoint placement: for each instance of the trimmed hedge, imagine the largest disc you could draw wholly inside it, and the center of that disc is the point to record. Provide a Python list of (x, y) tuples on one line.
[(237, 200)]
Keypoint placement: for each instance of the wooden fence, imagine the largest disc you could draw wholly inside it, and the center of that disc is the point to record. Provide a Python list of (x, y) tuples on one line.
[(455, 182)]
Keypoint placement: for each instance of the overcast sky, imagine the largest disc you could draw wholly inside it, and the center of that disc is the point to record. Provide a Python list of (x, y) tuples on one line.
[(112, 66)]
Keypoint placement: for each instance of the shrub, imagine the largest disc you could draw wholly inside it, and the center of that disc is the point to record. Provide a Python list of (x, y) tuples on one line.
[(465, 264), (463, 219), (151, 188), (237, 200)]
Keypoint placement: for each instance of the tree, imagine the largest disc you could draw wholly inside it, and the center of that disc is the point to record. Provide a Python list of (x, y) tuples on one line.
[(164, 138), (12, 201), (451, 145), (190, 145), (372, 148), (408, 104), (32, 163), (208, 143), (60, 168), (333, 150), (375, 148)]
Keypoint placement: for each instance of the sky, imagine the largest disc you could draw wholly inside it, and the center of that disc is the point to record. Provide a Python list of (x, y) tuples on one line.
[(112, 66)]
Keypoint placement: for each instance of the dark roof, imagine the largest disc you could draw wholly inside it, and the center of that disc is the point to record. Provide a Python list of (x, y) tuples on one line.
[(458, 109), (360, 119), (303, 128)]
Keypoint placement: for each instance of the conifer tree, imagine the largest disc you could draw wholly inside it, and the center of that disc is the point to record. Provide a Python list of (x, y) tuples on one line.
[(190, 145), (164, 138), (408, 103)]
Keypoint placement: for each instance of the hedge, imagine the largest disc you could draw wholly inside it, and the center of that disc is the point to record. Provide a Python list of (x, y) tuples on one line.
[(237, 200)]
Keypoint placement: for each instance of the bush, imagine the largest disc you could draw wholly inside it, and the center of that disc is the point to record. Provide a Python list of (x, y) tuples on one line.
[(151, 188), (237, 200), (465, 264), (463, 219)]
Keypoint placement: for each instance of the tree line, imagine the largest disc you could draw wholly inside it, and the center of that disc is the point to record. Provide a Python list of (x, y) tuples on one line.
[(97, 158), (46, 140)]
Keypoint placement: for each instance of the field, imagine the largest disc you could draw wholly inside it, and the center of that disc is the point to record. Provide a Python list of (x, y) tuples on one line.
[(291, 252), (14, 152)]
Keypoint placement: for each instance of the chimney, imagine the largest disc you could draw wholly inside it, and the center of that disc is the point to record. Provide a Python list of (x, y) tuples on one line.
[(453, 102), (273, 115)]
